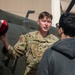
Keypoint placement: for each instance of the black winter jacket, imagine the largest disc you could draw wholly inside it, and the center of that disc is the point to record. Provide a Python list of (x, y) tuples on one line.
[(59, 59)]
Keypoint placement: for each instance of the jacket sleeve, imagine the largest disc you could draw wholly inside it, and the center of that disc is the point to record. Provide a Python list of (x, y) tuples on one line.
[(43, 68), (18, 50)]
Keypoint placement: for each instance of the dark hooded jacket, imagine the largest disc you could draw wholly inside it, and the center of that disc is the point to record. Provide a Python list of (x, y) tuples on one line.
[(59, 59)]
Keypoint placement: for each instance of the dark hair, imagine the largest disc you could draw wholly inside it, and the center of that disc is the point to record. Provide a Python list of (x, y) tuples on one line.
[(67, 23), (43, 14)]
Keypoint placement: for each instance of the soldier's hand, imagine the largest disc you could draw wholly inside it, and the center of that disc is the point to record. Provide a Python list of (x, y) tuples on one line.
[(4, 38)]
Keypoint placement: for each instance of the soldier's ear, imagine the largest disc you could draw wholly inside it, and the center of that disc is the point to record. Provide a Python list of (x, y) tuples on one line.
[(38, 22)]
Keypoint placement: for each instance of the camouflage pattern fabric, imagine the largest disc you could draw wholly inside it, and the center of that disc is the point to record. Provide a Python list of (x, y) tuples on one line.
[(33, 45)]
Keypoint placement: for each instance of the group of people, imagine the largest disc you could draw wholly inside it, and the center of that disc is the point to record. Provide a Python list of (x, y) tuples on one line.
[(45, 53)]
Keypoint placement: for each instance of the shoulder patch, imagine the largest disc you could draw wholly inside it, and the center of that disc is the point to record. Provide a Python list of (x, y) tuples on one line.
[(21, 38)]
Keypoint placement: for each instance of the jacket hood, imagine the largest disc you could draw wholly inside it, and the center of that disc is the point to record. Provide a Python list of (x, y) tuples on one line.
[(66, 47)]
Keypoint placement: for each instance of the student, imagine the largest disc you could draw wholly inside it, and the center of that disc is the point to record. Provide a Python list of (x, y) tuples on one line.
[(33, 44), (60, 58)]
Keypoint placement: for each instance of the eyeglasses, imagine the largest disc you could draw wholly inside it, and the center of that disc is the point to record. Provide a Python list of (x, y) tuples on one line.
[(57, 25)]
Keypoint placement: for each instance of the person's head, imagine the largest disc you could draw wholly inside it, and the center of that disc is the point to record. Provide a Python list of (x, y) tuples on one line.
[(44, 21), (67, 24)]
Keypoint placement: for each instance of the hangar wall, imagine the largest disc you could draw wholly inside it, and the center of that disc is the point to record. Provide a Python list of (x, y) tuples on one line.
[(20, 7)]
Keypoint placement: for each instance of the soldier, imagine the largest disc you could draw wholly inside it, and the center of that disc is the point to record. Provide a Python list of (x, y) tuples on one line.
[(33, 44)]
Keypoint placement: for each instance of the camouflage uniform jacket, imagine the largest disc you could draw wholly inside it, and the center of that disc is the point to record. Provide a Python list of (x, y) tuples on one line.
[(34, 46)]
